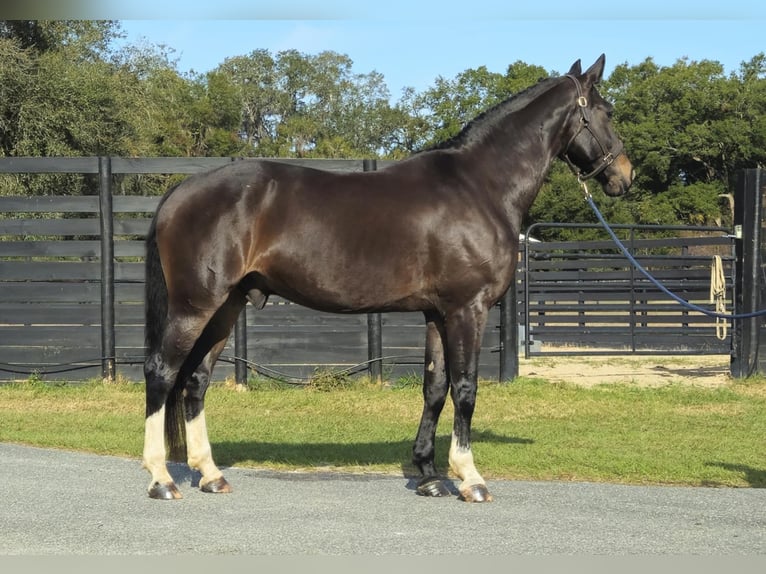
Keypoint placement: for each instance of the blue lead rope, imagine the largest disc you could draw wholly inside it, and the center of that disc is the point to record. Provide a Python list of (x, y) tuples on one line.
[(660, 286)]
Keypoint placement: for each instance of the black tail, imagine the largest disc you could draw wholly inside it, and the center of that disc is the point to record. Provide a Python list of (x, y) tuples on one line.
[(156, 311), (156, 294)]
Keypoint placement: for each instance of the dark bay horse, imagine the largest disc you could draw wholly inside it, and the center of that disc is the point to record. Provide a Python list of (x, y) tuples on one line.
[(436, 233)]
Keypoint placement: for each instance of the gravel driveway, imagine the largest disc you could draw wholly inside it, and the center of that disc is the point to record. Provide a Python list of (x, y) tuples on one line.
[(58, 502)]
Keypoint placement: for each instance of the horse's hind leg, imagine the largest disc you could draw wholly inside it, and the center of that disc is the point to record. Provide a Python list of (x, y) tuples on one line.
[(162, 370), (213, 340), (199, 451), (159, 384), (435, 387)]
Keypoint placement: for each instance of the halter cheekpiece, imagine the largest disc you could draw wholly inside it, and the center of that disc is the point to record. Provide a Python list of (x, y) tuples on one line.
[(607, 157)]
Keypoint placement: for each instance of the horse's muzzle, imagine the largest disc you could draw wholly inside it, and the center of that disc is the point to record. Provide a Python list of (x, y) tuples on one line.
[(619, 176)]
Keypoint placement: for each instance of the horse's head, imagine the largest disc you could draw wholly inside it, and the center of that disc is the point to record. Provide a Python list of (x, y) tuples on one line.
[(594, 150)]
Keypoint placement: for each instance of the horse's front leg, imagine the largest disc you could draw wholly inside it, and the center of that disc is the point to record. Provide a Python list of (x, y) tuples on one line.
[(465, 329), (435, 387)]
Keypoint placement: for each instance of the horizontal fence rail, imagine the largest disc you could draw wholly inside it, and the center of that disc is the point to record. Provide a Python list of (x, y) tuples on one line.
[(71, 294), (584, 297)]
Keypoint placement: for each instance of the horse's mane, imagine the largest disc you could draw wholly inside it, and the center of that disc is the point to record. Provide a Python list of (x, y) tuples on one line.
[(474, 129)]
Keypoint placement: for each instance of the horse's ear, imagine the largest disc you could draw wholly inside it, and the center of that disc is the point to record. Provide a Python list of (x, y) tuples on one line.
[(575, 70), (596, 71)]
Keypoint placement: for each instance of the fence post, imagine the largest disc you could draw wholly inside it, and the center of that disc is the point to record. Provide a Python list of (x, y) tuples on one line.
[(375, 345), (509, 335), (374, 320), (240, 340), (748, 333), (240, 348), (106, 214)]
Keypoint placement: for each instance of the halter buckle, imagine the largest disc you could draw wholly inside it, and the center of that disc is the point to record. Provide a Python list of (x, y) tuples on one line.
[(582, 101)]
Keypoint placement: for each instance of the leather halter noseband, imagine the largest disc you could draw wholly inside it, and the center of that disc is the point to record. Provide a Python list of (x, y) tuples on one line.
[(607, 157)]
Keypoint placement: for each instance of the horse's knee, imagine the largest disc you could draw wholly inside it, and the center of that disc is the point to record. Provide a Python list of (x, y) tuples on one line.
[(198, 382), (464, 396), (159, 383), (194, 394)]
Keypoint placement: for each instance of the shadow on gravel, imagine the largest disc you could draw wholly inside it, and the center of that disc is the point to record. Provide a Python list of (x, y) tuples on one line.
[(335, 454)]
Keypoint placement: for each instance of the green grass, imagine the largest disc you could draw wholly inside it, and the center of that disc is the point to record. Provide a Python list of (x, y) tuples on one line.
[(529, 429)]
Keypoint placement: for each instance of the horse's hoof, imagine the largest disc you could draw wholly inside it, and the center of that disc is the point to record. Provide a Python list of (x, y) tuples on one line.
[(164, 491), (475, 493), (432, 487), (216, 486)]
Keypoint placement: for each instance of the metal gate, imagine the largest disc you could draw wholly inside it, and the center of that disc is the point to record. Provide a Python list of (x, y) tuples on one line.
[(585, 298)]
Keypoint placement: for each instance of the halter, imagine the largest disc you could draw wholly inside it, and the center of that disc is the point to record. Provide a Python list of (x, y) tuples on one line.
[(607, 157)]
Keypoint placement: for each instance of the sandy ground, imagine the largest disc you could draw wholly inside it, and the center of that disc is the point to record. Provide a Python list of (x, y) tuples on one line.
[(650, 370)]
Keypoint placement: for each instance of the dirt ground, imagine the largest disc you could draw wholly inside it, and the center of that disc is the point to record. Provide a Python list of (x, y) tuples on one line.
[(649, 370)]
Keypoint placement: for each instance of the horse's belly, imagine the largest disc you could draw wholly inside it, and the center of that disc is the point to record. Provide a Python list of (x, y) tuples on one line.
[(353, 292)]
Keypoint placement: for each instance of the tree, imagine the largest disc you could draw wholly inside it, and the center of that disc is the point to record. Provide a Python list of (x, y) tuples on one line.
[(295, 104), (688, 128), (81, 39), (447, 106), (255, 76), (410, 125), (16, 78), (60, 98)]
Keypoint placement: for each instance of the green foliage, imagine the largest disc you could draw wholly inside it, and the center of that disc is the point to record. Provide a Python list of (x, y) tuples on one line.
[(408, 381), (299, 105), (16, 73), (450, 104), (79, 39), (329, 380), (693, 204), (688, 129)]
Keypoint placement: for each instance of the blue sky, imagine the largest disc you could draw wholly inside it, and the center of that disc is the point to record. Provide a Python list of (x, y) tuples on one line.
[(412, 43)]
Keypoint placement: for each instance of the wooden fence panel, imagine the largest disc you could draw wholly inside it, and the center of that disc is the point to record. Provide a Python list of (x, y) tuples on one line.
[(83, 249), (50, 286), (49, 204)]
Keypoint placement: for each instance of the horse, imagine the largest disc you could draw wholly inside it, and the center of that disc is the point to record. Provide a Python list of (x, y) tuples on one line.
[(435, 233)]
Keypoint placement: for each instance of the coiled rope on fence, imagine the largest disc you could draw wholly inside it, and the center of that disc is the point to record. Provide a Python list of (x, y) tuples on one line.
[(718, 296)]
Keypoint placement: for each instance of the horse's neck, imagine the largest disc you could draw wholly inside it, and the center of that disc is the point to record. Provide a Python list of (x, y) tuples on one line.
[(520, 149)]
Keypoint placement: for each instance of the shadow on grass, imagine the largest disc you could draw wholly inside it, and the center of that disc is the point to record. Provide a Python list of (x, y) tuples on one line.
[(755, 477), (308, 455)]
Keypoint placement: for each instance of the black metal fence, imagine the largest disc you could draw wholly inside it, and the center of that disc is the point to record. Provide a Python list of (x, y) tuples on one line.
[(585, 297)]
